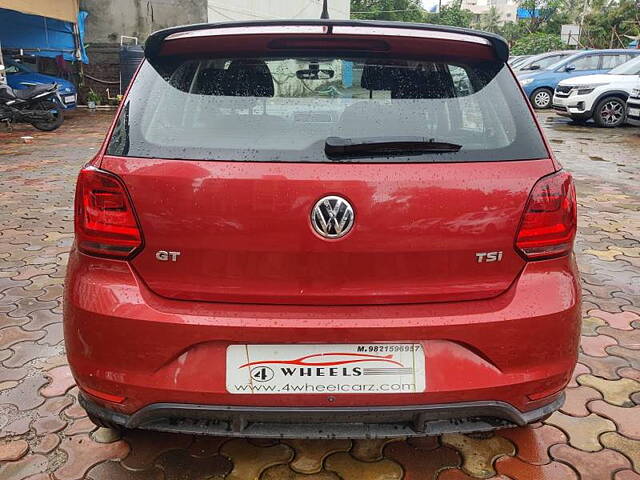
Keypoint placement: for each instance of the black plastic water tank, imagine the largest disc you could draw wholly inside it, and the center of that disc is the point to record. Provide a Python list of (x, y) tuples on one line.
[(130, 57)]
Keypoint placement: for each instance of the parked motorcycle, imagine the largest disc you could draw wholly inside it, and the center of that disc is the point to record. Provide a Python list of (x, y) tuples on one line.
[(39, 105)]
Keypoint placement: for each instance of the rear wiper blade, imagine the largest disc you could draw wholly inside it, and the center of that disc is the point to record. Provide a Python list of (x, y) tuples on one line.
[(343, 147)]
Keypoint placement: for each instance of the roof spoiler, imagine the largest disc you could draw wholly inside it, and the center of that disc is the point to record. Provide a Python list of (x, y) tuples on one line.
[(154, 43)]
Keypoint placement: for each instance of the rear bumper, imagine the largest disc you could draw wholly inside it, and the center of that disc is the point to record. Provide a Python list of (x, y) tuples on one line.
[(309, 422), (517, 349)]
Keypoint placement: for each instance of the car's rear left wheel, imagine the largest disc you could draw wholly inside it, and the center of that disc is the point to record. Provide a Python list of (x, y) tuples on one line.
[(610, 112), (541, 98)]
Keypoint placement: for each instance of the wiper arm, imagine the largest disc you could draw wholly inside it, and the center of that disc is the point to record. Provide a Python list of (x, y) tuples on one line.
[(345, 147)]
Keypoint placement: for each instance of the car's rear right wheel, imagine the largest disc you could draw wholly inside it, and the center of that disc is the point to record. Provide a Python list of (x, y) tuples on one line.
[(610, 112), (541, 98)]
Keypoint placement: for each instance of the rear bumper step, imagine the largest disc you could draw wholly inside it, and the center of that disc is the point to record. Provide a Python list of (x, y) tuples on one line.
[(309, 422)]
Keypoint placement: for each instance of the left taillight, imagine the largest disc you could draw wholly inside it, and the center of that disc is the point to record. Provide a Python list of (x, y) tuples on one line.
[(105, 222)]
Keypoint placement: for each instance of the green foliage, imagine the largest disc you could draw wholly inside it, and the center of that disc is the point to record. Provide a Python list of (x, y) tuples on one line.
[(537, 42), (452, 14), (411, 11), (606, 27), (490, 22), (606, 22), (512, 31), (540, 12), (393, 10)]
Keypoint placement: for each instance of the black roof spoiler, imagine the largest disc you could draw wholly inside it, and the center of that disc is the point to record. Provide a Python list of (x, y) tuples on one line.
[(155, 40)]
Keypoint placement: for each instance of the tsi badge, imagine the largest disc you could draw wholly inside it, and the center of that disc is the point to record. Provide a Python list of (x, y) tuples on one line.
[(488, 257), (165, 256)]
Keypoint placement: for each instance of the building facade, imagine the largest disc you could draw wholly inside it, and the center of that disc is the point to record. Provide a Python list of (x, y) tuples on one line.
[(507, 9)]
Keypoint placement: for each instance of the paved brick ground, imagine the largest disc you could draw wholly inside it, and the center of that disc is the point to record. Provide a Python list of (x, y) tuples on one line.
[(44, 433)]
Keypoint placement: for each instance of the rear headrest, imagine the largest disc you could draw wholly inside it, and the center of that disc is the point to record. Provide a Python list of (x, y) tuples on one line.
[(375, 77), (379, 77), (420, 84), (210, 82), (248, 78)]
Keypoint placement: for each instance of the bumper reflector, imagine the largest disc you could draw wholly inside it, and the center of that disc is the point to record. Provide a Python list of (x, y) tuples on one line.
[(104, 396)]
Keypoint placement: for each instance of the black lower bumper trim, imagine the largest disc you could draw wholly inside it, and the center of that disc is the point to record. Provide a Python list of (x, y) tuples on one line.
[(318, 422)]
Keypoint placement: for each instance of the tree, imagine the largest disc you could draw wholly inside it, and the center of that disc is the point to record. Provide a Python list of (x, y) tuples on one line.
[(490, 21), (393, 10), (537, 42), (512, 31), (607, 26), (452, 14), (540, 12)]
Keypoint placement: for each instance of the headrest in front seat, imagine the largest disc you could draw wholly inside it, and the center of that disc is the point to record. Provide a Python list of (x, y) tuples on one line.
[(248, 78)]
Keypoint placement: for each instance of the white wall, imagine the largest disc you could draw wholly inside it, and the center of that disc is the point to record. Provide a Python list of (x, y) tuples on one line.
[(227, 10)]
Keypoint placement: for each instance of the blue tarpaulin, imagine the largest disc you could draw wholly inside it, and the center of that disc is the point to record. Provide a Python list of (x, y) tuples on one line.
[(524, 13), (41, 36)]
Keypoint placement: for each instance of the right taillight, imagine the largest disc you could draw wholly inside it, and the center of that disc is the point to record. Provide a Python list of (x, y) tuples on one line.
[(548, 226), (105, 223)]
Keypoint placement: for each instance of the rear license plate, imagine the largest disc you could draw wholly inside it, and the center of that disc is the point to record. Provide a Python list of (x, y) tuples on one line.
[(69, 98), (326, 369), (634, 112)]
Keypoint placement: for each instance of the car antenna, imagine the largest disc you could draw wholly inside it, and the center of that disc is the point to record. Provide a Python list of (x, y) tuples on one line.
[(325, 11)]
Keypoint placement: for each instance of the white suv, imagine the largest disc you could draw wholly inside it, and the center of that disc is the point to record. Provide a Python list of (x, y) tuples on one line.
[(601, 97), (633, 106)]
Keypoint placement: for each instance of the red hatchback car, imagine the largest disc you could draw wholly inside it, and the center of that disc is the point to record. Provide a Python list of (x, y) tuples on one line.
[(323, 229)]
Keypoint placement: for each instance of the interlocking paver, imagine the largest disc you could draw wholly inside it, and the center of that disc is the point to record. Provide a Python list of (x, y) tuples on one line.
[(596, 430), (631, 373), (11, 451), (583, 432), (580, 369), (627, 420), (595, 346), (24, 468), (627, 339), (620, 321), (61, 382), (605, 367), (284, 472), (590, 466), (577, 399), (421, 464), (515, 468), (250, 461), (146, 448), (628, 447), (533, 443), (479, 453), (309, 454), (178, 464), (47, 444), (11, 335), (616, 392), (626, 475), (348, 468), (83, 453), (111, 470), (25, 394)]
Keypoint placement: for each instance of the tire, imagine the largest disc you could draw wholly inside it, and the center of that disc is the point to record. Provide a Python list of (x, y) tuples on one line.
[(100, 422), (58, 116), (610, 112), (541, 98)]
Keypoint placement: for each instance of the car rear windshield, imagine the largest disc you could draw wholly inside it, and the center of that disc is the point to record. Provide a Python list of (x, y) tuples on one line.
[(292, 108)]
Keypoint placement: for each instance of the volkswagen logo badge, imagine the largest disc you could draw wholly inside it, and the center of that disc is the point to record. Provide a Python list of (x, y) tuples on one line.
[(332, 217)]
